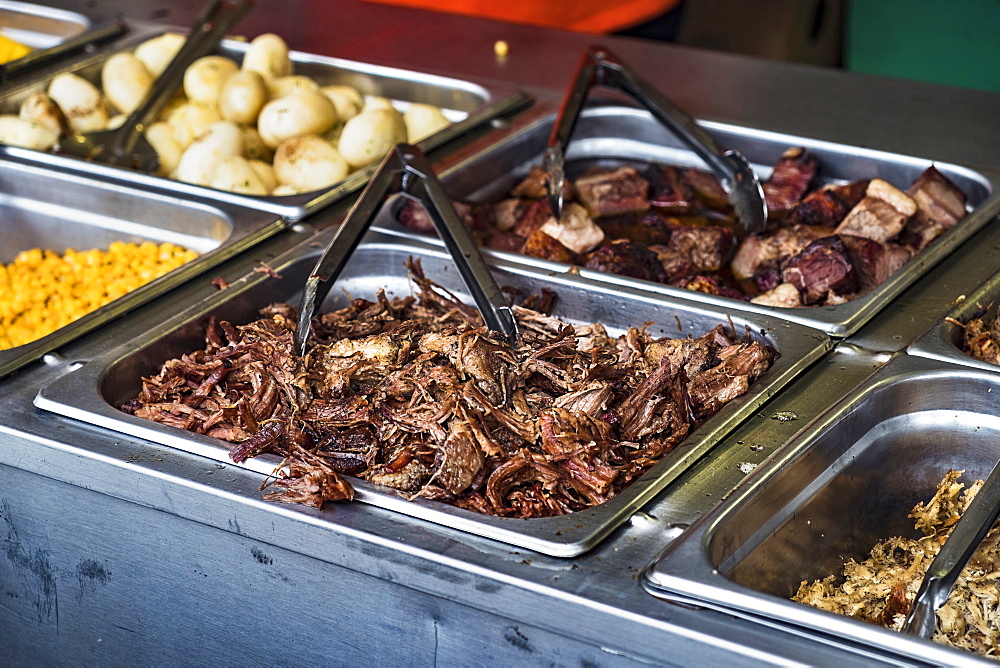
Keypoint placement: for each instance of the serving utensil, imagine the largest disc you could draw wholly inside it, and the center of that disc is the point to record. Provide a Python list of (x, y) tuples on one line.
[(41, 57), (599, 67), (406, 171), (126, 145), (962, 543)]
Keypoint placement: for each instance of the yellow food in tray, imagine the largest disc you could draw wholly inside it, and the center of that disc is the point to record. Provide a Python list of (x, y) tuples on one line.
[(41, 291), (11, 50)]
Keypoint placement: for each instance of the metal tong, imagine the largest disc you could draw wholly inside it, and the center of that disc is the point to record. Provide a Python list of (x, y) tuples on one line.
[(954, 555), (127, 145), (406, 171), (599, 67)]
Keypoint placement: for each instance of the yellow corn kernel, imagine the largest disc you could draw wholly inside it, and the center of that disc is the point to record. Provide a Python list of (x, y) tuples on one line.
[(42, 291)]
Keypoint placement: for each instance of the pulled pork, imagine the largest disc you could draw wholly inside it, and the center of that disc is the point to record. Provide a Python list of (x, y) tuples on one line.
[(880, 589), (981, 339), (414, 393)]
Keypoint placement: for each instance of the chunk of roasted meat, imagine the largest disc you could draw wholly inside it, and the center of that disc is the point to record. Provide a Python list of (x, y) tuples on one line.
[(791, 178), (415, 394), (610, 193)]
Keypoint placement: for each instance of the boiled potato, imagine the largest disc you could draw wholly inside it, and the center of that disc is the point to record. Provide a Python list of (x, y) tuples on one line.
[(160, 135), (157, 53), (284, 190), (126, 82), (242, 97), (19, 132), (301, 113), (370, 135), (42, 109), (190, 120), (423, 120), (265, 172), (309, 163), (254, 147), (293, 83), (373, 102), (205, 77), (268, 56), (346, 99), (80, 101), (198, 162), (237, 175)]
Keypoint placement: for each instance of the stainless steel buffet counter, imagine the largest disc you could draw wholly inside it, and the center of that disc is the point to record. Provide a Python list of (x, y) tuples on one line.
[(120, 550)]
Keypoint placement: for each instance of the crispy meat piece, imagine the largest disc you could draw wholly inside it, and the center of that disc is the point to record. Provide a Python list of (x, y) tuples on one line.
[(611, 193), (670, 190), (823, 266), (760, 252), (881, 215), (544, 246), (648, 228), (784, 295), (676, 265), (627, 259), (421, 397), (533, 186), (533, 217), (790, 179), (827, 206), (940, 205), (709, 246), (874, 261), (707, 188)]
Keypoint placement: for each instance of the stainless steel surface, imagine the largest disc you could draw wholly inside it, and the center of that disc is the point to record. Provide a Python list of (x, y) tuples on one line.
[(69, 48), (406, 170), (126, 145), (93, 392), (845, 482), (620, 133), (56, 211), (38, 26), (172, 532), (468, 104), (944, 340), (962, 543), (599, 67)]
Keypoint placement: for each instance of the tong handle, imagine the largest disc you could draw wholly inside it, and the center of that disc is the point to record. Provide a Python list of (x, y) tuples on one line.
[(962, 543), (491, 301), (406, 170), (599, 67), (215, 20)]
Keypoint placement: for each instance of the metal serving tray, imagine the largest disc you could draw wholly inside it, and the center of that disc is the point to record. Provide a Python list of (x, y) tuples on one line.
[(944, 340), (38, 26), (847, 481), (92, 392), (611, 132), (47, 209), (468, 104)]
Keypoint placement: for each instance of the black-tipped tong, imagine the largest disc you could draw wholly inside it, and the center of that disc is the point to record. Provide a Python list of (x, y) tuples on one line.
[(406, 171), (949, 563), (599, 67)]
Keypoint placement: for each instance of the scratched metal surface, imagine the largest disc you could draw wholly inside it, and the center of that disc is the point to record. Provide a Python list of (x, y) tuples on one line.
[(183, 542)]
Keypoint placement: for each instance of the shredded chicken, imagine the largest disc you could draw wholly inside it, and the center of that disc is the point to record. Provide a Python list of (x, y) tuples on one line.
[(881, 588)]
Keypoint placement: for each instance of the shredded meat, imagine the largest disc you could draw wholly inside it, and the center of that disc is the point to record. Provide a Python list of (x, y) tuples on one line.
[(415, 394), (881, 588)]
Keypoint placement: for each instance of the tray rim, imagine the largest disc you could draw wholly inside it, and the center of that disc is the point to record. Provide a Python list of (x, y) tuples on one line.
[(563, 536), (683, 572)]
